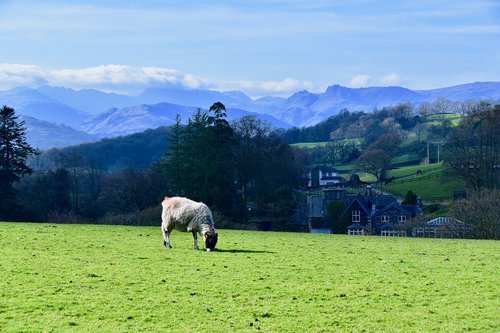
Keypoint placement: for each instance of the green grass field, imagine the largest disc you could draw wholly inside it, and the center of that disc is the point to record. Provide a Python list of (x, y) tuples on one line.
[(121, 279), (455, 118), (310, 145), (410, 171), (442, 185), (435, 181)]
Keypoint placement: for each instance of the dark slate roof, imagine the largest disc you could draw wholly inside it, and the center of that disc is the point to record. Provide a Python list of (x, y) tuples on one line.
[(383, 203), (391, 206), (413, 209), (380, 200), (356, 226), (362, 203)]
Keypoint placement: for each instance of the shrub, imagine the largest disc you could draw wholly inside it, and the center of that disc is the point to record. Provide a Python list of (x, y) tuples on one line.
[(150, 216)]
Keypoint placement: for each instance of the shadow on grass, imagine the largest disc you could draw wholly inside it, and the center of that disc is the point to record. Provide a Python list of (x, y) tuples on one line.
[(241, 251)]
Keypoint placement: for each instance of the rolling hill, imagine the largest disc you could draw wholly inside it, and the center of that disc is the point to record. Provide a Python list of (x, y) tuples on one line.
[(139, 118), (43, 135), (110, 114)]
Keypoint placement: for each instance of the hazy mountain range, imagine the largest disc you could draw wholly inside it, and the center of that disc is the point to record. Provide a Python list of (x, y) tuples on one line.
[(57, 116), (138, 118)]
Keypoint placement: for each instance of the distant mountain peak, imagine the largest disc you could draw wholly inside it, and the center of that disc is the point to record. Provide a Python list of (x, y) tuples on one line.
[(111, 113)]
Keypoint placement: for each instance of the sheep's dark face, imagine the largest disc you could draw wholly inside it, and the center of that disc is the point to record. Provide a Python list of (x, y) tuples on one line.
[(211, 240)]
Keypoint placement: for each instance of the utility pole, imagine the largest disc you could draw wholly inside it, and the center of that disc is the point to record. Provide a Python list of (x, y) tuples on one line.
[(438, 152), (428, 159)]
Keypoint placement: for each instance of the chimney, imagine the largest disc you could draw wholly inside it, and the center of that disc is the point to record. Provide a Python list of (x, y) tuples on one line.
[(369, 190)]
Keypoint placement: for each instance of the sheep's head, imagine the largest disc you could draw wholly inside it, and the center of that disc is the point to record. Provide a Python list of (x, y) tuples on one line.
[(211, 240)]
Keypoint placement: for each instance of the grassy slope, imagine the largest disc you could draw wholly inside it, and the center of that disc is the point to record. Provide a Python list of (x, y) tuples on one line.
[(115, 278), (442, 185), (435, 119), (434, 181), (410, 171), (310, 145)]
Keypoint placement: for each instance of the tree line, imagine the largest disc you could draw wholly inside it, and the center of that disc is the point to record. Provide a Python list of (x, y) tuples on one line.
[(231, 166), (238, 169), (244, 170)]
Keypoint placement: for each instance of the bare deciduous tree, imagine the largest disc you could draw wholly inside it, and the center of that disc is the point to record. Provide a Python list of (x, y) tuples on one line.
[(374, 161), (481, 211), (473, 147)]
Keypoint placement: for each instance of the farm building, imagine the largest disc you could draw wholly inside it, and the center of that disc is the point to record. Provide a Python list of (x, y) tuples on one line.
[(364, 214), (320, 176), (318, 208)]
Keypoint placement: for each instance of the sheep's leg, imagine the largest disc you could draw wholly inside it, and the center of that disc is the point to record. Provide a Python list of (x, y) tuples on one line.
[(195, 236), (166, 237)]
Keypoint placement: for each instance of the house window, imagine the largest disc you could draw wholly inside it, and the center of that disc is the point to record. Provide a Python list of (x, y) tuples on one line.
[(356, 231), (401, 218), (356, 216), (385, 218), (393, 233)]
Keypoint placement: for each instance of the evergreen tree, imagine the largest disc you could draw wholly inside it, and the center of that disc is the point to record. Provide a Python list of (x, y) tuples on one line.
[(14, 152), (175, 157), (410, 198), (195, 155), (219, 177)]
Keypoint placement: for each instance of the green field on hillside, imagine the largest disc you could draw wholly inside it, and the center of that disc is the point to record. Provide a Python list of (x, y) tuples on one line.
[(310, 145), (406, 159), (121, 279), (410, 171), (454, 118), (435, 181), (429, 188)]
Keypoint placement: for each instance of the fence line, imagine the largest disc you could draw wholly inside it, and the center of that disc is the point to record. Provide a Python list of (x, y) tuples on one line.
[(382, 188), (418, 178)]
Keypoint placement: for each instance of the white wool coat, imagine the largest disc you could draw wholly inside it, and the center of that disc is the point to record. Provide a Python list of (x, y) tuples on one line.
[(183, 214)]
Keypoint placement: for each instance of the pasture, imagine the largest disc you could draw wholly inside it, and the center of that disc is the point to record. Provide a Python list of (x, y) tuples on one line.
[(119, 279), (435, 181)]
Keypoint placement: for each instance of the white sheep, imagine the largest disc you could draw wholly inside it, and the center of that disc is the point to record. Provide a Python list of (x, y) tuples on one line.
[(187, 215)]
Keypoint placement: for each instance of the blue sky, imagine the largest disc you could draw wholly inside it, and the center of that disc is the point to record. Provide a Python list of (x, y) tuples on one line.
[(262, 47)]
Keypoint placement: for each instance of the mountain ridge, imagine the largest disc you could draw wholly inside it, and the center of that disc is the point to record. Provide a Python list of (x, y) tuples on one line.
[(82, 109)]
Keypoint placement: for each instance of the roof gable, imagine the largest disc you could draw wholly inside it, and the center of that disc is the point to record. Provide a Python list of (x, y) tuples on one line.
[(357, 201), (393, 206)]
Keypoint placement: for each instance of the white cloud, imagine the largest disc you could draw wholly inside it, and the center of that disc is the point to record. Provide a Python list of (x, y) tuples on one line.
[(14, 75), (285, 87), (361, 80), (391, 79), (364, 80), (128, 79), (119, 78)]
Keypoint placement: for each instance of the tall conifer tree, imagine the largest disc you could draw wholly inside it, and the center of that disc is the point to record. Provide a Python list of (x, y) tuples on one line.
[(14, 153), (175, 163)]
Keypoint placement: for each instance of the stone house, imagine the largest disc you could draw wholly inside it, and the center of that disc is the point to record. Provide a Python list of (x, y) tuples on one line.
[(368, 214)]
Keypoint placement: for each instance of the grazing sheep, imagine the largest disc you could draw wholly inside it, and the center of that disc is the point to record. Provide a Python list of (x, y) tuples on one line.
[(186, 215)]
